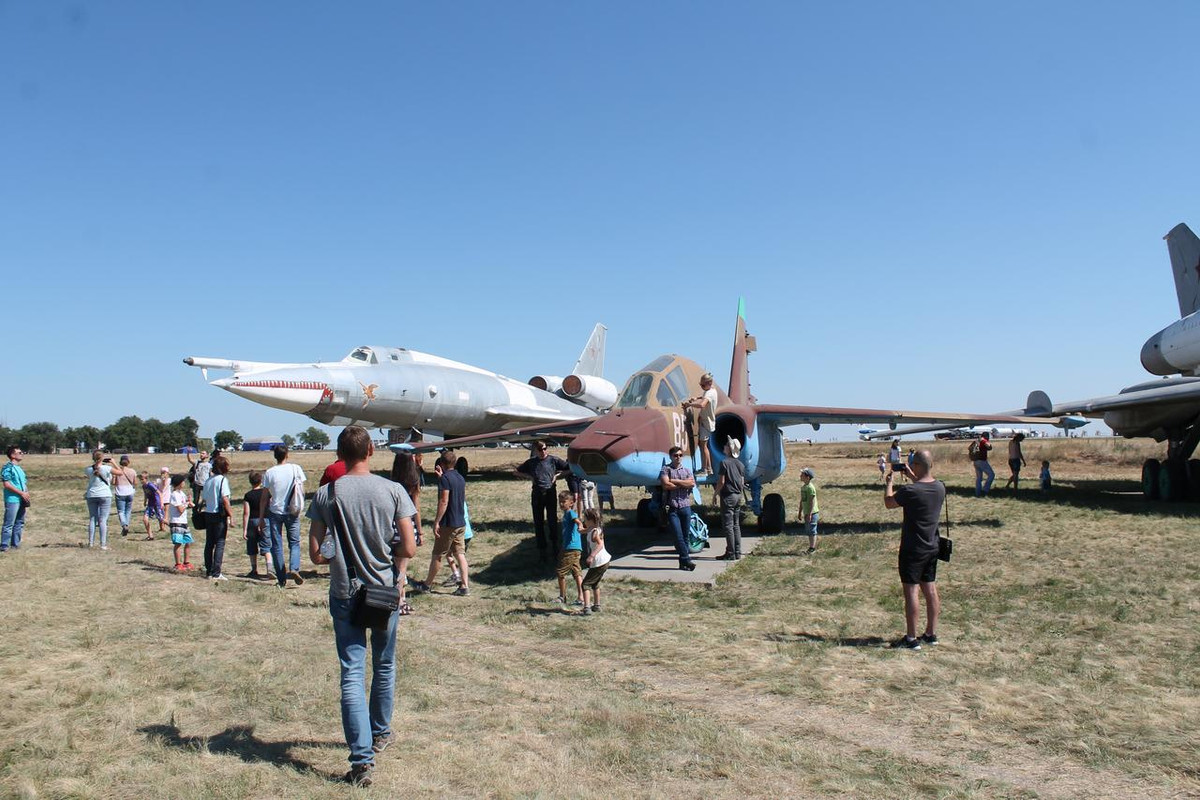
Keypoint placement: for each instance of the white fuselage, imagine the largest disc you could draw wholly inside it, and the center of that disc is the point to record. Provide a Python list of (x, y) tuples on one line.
[(1175, 350)]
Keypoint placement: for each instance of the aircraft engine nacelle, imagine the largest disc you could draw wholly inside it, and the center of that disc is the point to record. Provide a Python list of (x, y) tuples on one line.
[(547, 383), (595, 393)]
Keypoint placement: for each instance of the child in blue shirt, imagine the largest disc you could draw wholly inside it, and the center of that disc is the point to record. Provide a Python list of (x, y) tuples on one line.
[(572, 548), (154, 504), (1044, 477)]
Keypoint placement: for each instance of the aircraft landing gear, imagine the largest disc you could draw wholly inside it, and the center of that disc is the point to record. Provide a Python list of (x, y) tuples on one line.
[(1177, 477)]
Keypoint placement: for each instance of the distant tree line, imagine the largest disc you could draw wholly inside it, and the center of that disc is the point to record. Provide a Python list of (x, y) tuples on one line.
[(128, 433)]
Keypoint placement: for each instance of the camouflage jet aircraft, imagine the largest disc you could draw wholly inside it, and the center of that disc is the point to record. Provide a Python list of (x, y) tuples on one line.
[(628, 446)]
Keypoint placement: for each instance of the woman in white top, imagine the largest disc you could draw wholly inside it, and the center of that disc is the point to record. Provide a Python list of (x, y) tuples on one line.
[(598, 560), (217, 515), (99, 497)]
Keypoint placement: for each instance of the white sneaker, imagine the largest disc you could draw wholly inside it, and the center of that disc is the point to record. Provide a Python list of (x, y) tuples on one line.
[(103, 547), (220, 577)]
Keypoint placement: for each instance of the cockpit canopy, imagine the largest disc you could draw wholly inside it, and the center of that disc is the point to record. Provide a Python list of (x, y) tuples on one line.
[(668, 388), (377, 355)]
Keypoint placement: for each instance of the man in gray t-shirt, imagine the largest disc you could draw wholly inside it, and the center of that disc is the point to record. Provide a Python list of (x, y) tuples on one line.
[(373, 531)]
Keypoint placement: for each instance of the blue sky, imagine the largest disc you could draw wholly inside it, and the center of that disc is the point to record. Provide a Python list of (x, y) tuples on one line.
[(934, 206)]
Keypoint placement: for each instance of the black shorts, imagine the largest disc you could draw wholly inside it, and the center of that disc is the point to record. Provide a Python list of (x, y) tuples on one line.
[(919, 568), (1014, 464)]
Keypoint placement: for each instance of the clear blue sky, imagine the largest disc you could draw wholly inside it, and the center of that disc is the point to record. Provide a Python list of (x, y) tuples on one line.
[(933, 206)]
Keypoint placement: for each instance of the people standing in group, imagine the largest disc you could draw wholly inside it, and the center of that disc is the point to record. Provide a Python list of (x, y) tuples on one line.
[(544, 470), (922, 501), (1016, 460), (984, 474), (677, 483), (449, 526), (376, 532), (597, 560), (152, 499), (198, 474), (810, 508), (572, 548), (124, 482), (256, 535), (214, 497), (99, 497), (731, 485), (283, 488), (16, 500), (178, 504), (706, 407)]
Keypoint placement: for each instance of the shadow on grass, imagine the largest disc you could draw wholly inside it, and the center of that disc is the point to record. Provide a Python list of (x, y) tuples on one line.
[(240, 741), (541, 611), (520, 563), (840, 641)]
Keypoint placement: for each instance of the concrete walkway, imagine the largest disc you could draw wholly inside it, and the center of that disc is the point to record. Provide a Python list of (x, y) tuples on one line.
[(657, 561)]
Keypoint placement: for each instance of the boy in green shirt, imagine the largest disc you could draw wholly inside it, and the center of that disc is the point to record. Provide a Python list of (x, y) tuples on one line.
[(810, 510)]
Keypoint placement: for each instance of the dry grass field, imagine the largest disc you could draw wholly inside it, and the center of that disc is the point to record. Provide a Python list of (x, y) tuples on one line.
[(1068, 665)]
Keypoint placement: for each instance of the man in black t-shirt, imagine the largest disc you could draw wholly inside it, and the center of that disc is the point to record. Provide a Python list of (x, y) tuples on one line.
[(922, 502), (544, 469)]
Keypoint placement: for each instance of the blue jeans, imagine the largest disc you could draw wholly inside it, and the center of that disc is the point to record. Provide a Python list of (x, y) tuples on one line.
[(680, 520), (98, 509), (14, 525), (124, 508), (274, 538), (360, 723), (277, 523), (983, 468)]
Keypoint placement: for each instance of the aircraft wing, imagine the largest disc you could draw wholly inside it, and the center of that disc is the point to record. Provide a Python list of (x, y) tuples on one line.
[(1163, 392), (559, 432), (782, 416), (509, 414)]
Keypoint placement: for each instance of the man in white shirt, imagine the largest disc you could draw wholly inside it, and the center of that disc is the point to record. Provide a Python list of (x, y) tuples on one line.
[(283, 486)]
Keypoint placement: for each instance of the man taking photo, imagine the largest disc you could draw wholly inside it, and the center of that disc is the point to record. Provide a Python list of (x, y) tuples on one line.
[(922, 502), (374, 516)]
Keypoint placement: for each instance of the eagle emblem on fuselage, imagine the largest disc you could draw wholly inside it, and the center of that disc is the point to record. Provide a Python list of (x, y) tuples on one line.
[(368, 392)]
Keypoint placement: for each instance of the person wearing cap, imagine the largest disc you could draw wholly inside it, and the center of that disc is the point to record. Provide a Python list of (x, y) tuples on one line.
[(706, 405), (124, 483), (810, 509), (731, 483), (982, 467)]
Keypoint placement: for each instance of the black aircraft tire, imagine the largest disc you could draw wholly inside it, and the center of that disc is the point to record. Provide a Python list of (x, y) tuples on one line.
[(461, 465), (645, 518), (1194, 479), (773, 514), (1172, 481), (1150, 469)]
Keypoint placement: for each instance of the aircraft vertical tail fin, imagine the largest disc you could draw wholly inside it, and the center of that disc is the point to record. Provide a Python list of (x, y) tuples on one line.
[(591, 360), (739, 368), (1184, 248)]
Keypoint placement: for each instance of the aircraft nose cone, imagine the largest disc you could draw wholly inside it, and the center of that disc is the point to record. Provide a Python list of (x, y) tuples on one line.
[(1153, 359), (291, 390)]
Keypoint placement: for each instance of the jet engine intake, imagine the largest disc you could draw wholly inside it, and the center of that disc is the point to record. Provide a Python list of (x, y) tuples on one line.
[(595, 393)]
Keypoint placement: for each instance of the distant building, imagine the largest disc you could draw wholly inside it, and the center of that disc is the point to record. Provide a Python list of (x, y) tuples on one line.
[(260, 443)]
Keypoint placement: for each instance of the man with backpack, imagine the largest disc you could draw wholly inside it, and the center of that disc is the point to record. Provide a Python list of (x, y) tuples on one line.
[(281, 504), (978, 452), (198, 474)]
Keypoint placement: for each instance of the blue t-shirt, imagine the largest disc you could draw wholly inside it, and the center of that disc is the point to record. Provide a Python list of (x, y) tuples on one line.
[(570, 531), (12, 473), (452, 481)]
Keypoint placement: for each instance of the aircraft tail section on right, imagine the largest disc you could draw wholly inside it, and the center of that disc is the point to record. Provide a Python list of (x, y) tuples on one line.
[(1184, 248)]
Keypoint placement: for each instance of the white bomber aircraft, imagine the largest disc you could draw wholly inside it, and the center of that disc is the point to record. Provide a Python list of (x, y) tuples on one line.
[(1164, 410), (401, 389)]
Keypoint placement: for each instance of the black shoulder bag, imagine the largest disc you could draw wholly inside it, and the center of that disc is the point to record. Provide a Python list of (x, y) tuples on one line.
[(372, 605), (945, 543)]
